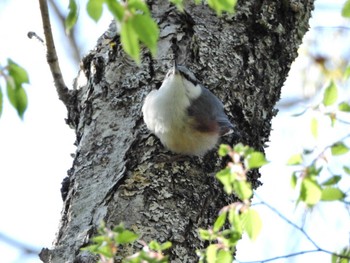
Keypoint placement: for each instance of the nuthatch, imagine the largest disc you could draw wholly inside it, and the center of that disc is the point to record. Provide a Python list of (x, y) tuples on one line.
[(184, 115)]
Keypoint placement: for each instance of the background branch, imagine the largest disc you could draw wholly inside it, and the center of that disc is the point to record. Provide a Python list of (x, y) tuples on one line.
[(72, 34)]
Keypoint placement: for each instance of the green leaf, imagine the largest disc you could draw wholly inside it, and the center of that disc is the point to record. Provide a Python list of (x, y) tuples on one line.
[(222, 5), (345, 12), (165, 245), (147, 31), (243, 189), (17, 97), (310, 192), (346, 169), (224, 256), (130, 41), (339, 148), (94, 9), (332, 181), (125, 237), (314, 127), (18, 73), (255, 160), (226, 178), (219, 222), (1, 101), (252, 223), (211, 253), (293, 180), (206, 234), (344, 106), (295, 159), (154, 245), (345, 252), (235, 220), (330, 95), (224, 149), (135, 6), (72, 16), (179, 4), (116, 9), (106, 251), (347, 72), (332, 194)]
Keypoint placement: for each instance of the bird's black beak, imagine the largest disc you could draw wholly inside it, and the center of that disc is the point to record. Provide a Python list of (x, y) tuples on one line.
[(175, 68)]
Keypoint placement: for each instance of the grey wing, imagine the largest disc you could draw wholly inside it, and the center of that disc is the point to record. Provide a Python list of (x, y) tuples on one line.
[(209, 114)]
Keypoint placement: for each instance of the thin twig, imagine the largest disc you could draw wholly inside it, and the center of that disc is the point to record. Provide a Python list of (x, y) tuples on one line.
[(32, 35), (21, 246), (51, 55), (288, 221), (284, 256), (318, 248)]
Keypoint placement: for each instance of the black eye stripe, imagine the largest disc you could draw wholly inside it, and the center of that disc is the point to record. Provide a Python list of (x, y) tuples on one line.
[(187, 75)]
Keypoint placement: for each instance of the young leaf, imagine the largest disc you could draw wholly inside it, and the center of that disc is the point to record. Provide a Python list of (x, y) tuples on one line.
[(225, 177), (295, 159), (252, 223), (206, 235), (18, 73), (125, 237), (130, 41), (330, 95), (211, 253), (345, 12), (179, 4), (332, 181), (347, 72), (235, 220), (344, 106), (72, 16), (116, 9), (332, 194), (310, 192), (94, 9), (339, 148), (243, 189), (147, 31), (224, 256), (219, 222), (17, 97), (222, 5), (346, 169), (165, 246), (314, 128), (293, 180), (255, 160), (138, 6), (224, 149)]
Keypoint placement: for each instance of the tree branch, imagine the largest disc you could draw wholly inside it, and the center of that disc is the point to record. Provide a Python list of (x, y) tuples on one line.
[(318, 248), (17, 244), (51, 55)]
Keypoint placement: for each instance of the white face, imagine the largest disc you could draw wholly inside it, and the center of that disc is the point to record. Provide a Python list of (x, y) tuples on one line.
[(181, 83)]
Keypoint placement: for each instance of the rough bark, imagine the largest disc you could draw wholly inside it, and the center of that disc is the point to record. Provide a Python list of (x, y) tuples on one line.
[(120, 172)]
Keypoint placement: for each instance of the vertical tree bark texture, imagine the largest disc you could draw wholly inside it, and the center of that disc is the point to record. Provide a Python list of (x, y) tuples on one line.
[(121, 173)]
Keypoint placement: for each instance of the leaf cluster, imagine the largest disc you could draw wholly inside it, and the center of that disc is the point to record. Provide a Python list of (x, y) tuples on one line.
[(312, 189), (135, 21), (108, 241), (15, 77), (237, 218)]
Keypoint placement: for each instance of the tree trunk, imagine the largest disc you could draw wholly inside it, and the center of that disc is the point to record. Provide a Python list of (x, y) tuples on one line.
[(121, 173)]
